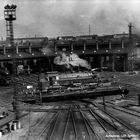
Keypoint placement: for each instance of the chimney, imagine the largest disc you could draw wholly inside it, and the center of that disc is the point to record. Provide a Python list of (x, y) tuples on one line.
[(130, 30)]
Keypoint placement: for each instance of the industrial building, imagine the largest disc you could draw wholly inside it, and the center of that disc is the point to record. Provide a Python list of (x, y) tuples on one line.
[(117, 52)]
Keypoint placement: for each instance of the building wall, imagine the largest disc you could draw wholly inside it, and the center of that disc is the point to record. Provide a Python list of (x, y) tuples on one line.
[(109, 52)]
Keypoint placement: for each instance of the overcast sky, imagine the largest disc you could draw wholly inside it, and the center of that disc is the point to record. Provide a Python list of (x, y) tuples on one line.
[(54, 18)]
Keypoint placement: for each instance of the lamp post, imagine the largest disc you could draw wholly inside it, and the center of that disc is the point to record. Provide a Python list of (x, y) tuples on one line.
[(10, 16)]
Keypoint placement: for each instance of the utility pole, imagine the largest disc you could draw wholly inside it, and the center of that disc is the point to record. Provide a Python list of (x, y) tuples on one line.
[(130, 26), (89, 29)]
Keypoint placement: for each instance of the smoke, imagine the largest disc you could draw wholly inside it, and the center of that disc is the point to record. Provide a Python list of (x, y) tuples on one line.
[(72, 17), (48, 48), (71, 60)]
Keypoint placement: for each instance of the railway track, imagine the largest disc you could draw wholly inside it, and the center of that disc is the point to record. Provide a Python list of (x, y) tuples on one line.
[(63, 125), (122, 109), (132, 109), (131, 129), (111, 125), (90, 132), (39, 129), (72, 126), (80, 122), (6, 104)]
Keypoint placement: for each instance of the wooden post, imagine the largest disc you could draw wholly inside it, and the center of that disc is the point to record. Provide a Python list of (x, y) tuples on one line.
[(4, 49), (110, 44), (104, 101), (30, 49), (138, 99), (113, 62), (84, 45), (71, 46), (122, 44), (97, 45), (17, 49)]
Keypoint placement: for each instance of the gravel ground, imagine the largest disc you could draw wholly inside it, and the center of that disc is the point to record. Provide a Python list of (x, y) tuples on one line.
[(22, 133)]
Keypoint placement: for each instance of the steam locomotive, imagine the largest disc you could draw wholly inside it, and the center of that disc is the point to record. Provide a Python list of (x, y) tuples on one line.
[(56, 86)]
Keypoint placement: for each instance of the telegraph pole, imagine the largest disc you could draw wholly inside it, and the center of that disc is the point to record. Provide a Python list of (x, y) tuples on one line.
[(130, 26), (89, 29)]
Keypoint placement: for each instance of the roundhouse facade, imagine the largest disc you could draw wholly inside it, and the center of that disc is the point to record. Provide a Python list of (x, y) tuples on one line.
[(116, 52)]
